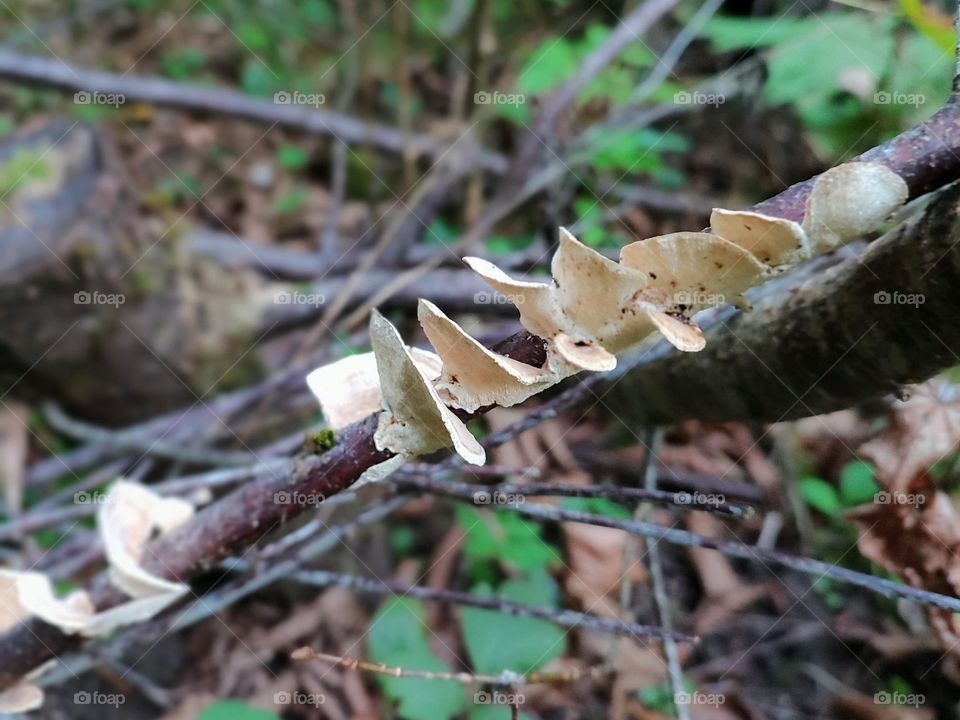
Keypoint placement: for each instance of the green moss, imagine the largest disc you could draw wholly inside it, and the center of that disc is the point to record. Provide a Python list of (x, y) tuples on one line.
[(319, 442)]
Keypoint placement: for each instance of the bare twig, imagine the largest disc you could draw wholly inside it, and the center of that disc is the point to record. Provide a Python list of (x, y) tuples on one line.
[(495, 494), (509, 679), (655, 437), (735, 548), (563, 618)]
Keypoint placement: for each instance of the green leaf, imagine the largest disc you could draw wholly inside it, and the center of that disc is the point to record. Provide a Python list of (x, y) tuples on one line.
[(234, 710), (498, 642), (493, 712), (735, 33), (256, 78), (183, 64), (398, 638), (937, 27), (253, 36), (292, 157), (596, 506), (441, 232), (812, 62), (504, 536), (634, 150), (291, 201), (857, 483), (502, 244), (922, 76), (547, 66), (820, 494)]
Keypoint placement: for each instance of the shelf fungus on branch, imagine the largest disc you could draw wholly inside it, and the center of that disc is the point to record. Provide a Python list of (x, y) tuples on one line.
[(593, 309), (126, 519)]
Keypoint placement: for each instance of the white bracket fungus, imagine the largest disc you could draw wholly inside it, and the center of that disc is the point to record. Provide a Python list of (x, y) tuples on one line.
[(126, 520), (593, 309)]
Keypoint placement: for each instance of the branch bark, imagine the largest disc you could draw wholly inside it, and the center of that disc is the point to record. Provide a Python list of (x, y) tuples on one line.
[(860, 330)]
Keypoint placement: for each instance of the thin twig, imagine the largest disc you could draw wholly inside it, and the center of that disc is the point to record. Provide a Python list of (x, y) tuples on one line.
[(808, 566), (494, 495), (655, 437), (563, 618), (508, 679)]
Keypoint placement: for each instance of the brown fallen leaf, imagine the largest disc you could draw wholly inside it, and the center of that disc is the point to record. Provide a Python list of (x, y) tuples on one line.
[(724, 594), (920, 431), (856, 706), (595, 561), (920, 543)]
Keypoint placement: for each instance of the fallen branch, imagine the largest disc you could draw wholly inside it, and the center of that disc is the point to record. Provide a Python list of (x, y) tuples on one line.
[(925, 157), (38, 71)]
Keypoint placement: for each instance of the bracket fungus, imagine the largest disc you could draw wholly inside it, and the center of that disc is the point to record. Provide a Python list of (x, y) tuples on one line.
[(126, 520), (594, 309)]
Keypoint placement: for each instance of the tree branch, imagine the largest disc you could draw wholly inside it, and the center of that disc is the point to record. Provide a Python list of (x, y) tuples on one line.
[(38, 71)]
